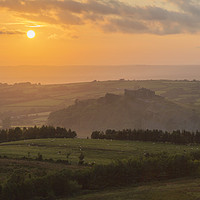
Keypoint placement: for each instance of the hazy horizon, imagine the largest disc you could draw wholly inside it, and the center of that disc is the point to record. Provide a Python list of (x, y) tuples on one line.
[(116, 35), (82, 73)]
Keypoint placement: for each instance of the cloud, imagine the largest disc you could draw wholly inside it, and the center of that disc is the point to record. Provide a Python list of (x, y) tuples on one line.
[(10, 32), (112, 15), (34, 26)]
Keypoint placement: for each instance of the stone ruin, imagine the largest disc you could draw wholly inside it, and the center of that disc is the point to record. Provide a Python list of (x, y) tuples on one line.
[(140, 93)]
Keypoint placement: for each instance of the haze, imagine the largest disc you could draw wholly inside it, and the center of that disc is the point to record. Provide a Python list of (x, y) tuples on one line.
[(69, 74), (94, 32)]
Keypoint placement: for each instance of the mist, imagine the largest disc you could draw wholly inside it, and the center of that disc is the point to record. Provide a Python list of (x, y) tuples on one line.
[(71, 74)]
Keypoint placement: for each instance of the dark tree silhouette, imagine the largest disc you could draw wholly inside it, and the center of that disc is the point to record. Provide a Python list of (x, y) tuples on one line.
[(176, 137), (17, 133)]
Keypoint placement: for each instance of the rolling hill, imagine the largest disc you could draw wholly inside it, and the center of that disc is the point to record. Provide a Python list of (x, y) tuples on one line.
[(30, 104), (136, 109)]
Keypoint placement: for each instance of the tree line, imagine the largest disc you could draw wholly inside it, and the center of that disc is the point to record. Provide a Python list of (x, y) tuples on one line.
[(15, 134), (176, 137), (153, 167)]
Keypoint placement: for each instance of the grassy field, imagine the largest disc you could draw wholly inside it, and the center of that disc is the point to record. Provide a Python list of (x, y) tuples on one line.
[(183, 189), (98, 151), (101, 152)]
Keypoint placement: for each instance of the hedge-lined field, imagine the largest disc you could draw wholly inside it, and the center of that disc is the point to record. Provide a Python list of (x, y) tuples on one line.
[(65, 183), (27, 164), (98, 151)]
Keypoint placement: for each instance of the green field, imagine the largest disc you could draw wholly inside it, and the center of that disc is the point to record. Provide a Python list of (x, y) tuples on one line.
[(98, 151)]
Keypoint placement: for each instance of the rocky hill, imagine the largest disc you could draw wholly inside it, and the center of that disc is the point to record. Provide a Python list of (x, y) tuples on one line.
[(136, 109)]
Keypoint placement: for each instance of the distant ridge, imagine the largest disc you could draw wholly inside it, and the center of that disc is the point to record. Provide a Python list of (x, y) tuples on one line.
[(87, 73)]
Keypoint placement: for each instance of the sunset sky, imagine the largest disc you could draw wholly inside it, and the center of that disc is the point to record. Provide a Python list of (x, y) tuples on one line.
[(103, 32)]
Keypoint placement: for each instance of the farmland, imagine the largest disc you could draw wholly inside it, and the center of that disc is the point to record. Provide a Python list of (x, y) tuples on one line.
[(101, 152), (30, 104), (98, 151)]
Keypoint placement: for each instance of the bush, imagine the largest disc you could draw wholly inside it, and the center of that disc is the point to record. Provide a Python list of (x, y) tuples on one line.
[(154, 167), (47, 187), (120, 173)]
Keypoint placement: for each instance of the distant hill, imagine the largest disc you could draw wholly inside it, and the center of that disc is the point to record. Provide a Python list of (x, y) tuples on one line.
[(139, 109), (30, 104)]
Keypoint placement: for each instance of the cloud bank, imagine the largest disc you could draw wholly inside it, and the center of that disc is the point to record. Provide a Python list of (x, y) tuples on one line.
[(112, 15)]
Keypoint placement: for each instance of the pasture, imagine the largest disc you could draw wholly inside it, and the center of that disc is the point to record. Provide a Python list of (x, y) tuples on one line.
[(98, 151)]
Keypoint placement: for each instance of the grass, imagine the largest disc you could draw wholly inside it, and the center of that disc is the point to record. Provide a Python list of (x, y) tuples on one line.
[(98, 151), (102, 152), (184, 189)]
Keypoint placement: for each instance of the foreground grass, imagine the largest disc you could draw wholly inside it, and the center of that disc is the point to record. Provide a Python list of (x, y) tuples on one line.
[(183, 189), (98, 151), (102, 152)]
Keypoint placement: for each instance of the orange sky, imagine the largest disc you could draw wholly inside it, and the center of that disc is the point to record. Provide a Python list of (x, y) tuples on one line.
[(99, 32)]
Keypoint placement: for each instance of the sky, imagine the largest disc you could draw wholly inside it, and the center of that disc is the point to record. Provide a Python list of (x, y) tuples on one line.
[(99, 32)]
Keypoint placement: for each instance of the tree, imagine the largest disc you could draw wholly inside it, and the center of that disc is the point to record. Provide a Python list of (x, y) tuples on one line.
[(81, 159)]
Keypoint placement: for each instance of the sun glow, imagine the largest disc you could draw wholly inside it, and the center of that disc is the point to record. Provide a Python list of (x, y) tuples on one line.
[(30, 34)]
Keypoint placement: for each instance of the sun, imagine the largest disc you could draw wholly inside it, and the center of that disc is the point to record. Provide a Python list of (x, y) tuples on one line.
[(30, 34)]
